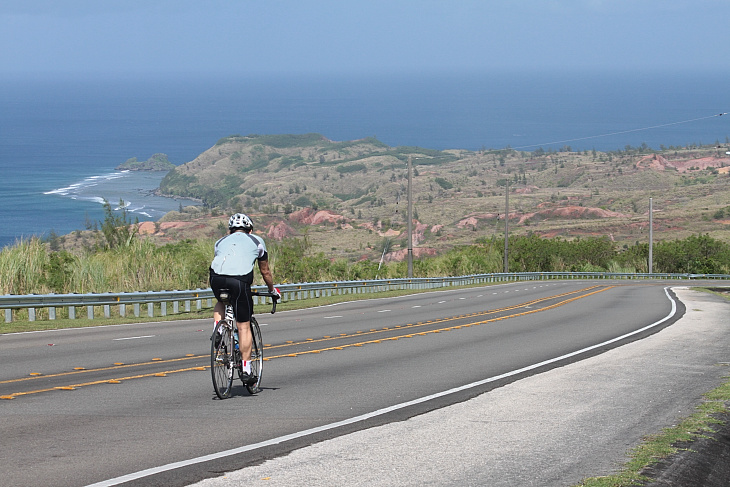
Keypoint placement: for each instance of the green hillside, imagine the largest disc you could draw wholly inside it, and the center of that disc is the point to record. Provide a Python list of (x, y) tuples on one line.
[(358, 189), (158, 162)]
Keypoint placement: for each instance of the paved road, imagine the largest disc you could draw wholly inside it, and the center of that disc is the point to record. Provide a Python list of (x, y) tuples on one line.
[(550, 429), (144, 401)]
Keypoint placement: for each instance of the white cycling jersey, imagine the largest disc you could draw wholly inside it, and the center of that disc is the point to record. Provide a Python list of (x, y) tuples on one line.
[(235, 254)]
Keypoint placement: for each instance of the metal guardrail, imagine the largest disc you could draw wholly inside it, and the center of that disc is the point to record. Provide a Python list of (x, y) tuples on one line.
[(158, 300)]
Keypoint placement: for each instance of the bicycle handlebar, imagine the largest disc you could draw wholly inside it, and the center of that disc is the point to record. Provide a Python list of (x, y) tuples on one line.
[(265, 294)]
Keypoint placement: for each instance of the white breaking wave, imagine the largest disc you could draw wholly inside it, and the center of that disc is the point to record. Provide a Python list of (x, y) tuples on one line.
[(95, 199), (91, 181), (126, 190)]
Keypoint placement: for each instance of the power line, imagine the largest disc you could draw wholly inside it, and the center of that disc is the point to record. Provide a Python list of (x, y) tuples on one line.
[(621, 132)]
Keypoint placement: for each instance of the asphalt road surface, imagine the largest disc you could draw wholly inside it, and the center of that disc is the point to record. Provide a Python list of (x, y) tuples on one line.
[(134, 404)]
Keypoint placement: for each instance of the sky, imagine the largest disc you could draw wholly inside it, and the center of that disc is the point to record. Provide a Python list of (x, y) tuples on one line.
[(223, 37)]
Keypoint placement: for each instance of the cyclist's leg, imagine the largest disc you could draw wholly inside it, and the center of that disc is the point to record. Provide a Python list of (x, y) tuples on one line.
[(242, 308), (218, 311), (217, 283), (244, 339)]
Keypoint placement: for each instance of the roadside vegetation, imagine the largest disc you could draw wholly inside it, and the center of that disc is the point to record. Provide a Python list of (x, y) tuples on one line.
[(123, 261)]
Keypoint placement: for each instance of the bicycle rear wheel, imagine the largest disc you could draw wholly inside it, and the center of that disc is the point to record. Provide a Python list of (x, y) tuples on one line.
[(222, 359), (257, 357)]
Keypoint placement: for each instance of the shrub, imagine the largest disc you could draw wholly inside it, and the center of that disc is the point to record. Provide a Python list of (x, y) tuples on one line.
[(444, 183)]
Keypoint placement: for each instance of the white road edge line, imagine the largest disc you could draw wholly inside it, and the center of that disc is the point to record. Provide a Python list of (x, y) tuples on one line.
[(275, 441), (133, 338)]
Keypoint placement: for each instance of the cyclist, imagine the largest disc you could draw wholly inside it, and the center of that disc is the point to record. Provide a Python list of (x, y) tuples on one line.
[(232, 268)]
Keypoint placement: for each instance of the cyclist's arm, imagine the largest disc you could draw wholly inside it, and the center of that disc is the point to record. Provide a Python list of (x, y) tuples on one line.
[(266, 274)]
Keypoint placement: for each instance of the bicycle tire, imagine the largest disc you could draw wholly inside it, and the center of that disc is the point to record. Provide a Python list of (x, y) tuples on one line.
[(257, 357), (222, 360)]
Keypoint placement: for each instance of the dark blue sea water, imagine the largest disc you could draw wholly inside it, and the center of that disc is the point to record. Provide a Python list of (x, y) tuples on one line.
[(60, 139)]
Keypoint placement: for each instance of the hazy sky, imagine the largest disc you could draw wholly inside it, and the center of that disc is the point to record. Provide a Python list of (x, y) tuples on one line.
[(89, 37)]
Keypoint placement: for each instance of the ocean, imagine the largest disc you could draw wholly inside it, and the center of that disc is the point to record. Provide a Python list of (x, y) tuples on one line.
[(60, 139)]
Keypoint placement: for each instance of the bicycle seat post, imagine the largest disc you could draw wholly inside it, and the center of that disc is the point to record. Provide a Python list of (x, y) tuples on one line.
[(225, 297)]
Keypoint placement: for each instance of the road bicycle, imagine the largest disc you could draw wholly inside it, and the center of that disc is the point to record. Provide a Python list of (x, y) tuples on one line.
[(225, 356)]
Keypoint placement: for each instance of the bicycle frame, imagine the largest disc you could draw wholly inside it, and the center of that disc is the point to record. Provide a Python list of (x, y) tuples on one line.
[(224, 358)]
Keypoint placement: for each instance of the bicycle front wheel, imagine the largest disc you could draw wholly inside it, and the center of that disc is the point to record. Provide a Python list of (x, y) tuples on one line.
[(222, 359), (257, 357)]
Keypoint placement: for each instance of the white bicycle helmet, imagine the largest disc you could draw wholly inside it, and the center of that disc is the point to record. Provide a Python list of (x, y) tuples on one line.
[(239, 220)]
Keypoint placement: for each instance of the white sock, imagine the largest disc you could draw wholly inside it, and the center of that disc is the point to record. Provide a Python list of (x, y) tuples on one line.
[(247, 366)]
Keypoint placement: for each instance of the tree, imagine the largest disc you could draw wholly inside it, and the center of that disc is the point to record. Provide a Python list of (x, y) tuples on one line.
[(118, 230), (697, 254)]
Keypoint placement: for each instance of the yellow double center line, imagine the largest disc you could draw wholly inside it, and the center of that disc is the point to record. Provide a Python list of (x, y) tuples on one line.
[(596, 290), (439, 330)]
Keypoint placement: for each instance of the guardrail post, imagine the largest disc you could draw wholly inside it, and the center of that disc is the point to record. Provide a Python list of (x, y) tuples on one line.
[(187, 305), (107, 312), (72, 312), (8, 315), (176, 307), (136, 310), (122, 310), (150, 310), (52, 313), (31, 314), (90, 312), (163, 308)]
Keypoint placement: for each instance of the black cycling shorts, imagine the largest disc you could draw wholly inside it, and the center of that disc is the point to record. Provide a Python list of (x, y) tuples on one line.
[(239, 288)]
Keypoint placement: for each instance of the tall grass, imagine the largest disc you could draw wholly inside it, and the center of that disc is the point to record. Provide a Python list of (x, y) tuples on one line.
[(22, 267), (30, 267)]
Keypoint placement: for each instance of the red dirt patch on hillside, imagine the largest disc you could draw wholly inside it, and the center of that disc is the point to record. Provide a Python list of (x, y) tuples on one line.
[(701, 163), (571, 213), (379, 229), (660, 163), (308, 216), (419, 232), (474, 219), (401, 255), (149, 228), (655, 162), (526, 190), (279, 231)]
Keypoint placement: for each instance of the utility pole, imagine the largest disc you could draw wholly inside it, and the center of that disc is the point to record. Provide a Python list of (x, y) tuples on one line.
[(506, 229), (651, 235), (410, 222)]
